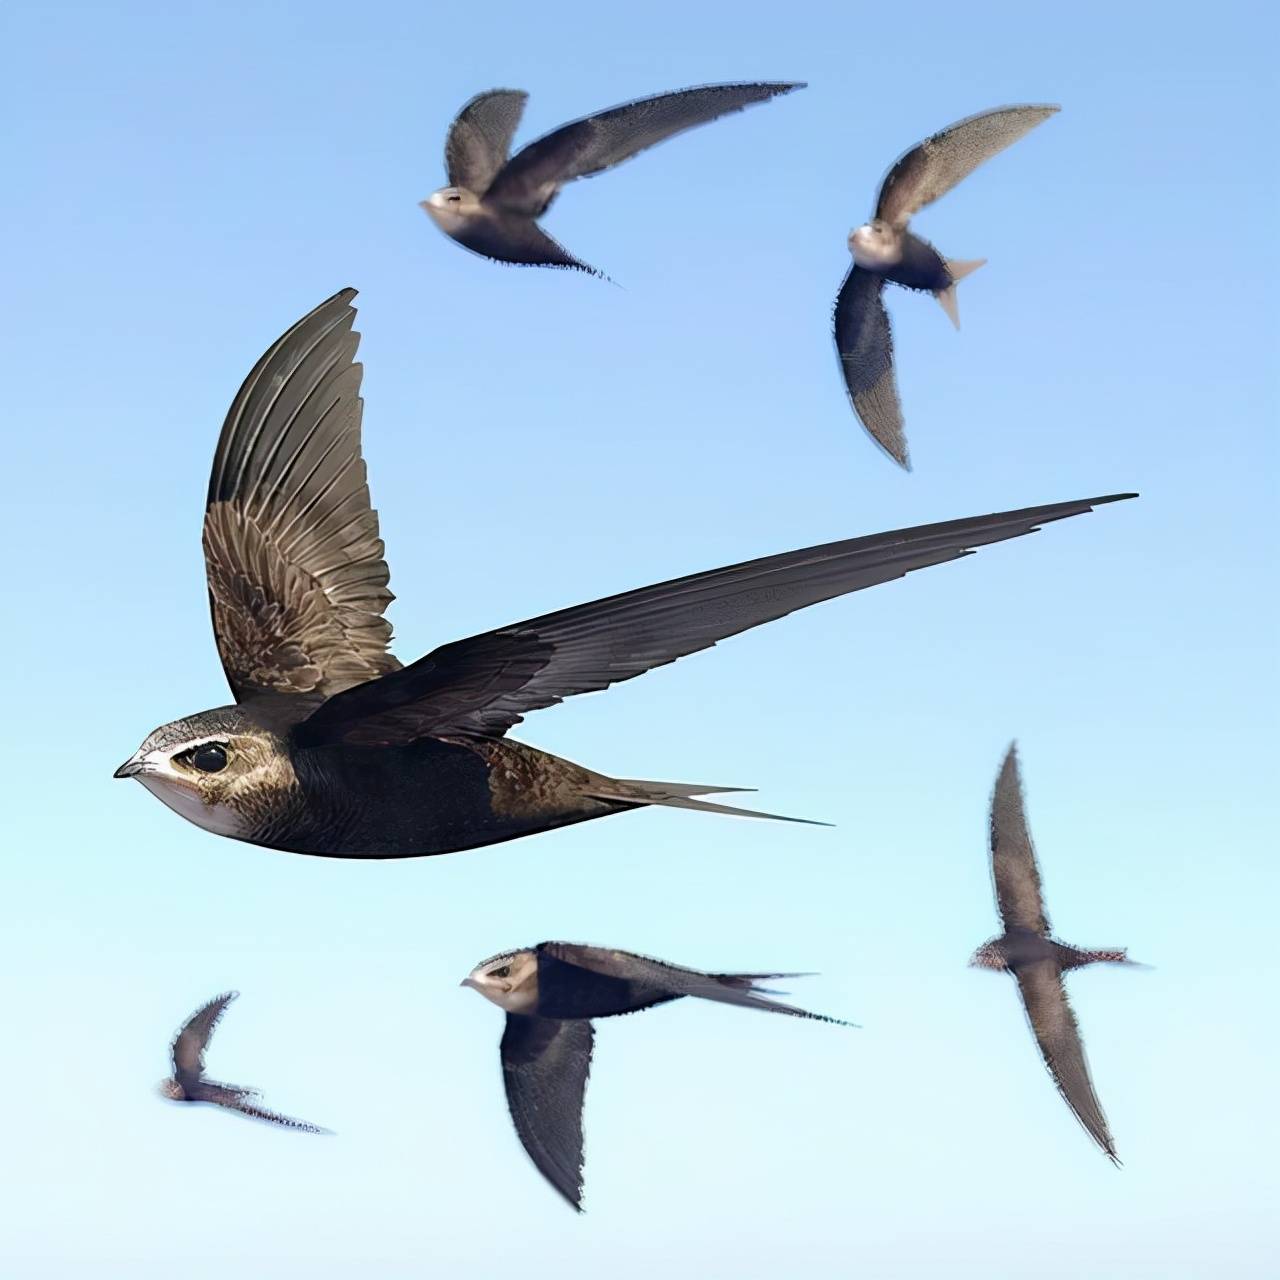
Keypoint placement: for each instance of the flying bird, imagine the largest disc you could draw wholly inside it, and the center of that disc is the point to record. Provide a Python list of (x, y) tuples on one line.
[(492, 203), (885, 249), (332, 747), (189, 1084), (1036, 959), (550, 993)]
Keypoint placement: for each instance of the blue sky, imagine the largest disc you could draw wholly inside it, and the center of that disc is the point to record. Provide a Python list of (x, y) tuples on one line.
[(183, 185)]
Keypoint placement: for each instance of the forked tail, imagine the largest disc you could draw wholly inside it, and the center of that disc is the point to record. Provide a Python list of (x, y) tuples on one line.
[(682, 795), (957, 270), (1078, 957)]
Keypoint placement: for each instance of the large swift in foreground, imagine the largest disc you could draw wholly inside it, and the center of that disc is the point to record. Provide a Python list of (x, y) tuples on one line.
[(332, 747)]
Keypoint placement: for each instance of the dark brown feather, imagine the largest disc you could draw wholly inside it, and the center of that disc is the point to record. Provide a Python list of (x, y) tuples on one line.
[(1013, 857), (297, 579)]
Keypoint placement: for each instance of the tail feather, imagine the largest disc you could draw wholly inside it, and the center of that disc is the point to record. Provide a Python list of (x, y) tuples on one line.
[(957, 270), (1081, 956), (682, 795)]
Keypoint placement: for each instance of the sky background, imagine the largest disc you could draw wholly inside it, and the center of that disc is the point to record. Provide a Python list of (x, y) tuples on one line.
[(183, 182)]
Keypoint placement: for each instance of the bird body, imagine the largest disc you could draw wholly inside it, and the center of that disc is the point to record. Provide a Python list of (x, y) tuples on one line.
[(885, 250), (550, 994), (492, 202), (335, 748), (1036, 959)]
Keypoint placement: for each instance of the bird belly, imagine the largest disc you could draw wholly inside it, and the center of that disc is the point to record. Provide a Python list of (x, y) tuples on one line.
[(920, 266), (428, 798)]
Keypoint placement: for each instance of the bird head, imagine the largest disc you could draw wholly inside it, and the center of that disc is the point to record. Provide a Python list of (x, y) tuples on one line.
[(450, 207), (207, 767), (875, 245), (509, 980), (171, 1089)]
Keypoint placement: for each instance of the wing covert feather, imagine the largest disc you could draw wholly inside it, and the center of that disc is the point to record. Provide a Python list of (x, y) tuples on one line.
[(297, 579)]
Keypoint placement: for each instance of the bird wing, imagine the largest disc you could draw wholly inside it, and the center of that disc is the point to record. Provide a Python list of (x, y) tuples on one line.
[(545, 1064), (725, 988), (591, 145), (480, 687), (297, 579), (187, 1050), (931, 169), (864, 343), (519, 241), (480, 138), (1056, 1032), (1013, 857), (245, 1107)]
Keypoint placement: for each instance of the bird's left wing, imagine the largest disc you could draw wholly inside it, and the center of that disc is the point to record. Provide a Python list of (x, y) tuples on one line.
[(545, 1064), (193, 1037), (864, 343), (255, 1112), (931, 169), (596, 143), (482, 686), (297, 579), (480, 138), (1057, 1034)]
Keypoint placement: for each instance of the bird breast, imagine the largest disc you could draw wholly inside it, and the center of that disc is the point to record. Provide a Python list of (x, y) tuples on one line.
[(875, 249)]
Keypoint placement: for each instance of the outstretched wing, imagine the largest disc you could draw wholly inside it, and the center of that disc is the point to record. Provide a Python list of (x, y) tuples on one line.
[(545, 1064), (519, 241), (187, 1050), (247, 1108), (1056, 1032), (482, 686), (480, 138), (644, 971), (864, 344), (589, 146), (297, 580), (1013, 857), (930, 170)]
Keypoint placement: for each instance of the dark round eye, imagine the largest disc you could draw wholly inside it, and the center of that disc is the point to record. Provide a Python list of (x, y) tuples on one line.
[(500, 973), (210, 758), (455, 199)]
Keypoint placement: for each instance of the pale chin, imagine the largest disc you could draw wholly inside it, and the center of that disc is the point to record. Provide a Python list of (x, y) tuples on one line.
[(217, 818)]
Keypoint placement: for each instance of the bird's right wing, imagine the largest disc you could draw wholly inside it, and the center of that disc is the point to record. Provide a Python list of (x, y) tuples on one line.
[(187, 1050), (480, 138), (545, 1064), (931, 169), (589, 146), (1057, 1034), (480, 687), (725, 988), (297, 579), (864, 343), (1013, 857)]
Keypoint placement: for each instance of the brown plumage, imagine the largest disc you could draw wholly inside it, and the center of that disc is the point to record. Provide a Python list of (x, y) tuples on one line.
[(1036, 959), (189, 1083)]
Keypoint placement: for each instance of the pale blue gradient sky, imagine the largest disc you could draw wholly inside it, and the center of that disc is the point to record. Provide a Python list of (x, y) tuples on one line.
[(183, 185)]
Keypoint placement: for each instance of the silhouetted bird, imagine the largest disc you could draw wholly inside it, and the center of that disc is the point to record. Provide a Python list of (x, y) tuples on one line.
[(884, 249), (550, 993), (188, 1082), (1037, 960), (334, 748), (492, 203)]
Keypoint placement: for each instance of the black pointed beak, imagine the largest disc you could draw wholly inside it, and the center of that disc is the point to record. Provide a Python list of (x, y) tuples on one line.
[(130, 769)]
